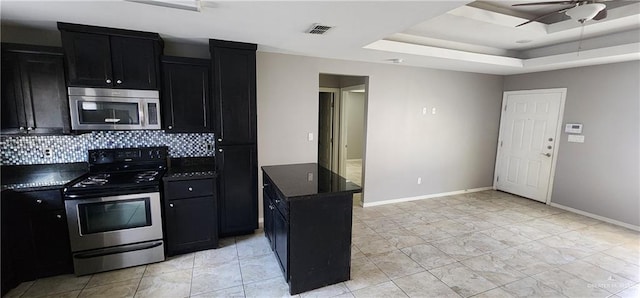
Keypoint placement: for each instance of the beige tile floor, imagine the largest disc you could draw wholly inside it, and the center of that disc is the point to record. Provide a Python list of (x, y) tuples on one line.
[(486, 244)]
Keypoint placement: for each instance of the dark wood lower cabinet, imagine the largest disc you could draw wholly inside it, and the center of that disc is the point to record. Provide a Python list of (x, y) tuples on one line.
[(190, 215), (237, 189), (307, 220), (35, 237)]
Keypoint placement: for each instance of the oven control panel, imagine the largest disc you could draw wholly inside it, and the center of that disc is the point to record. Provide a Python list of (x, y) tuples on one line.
[(125, 155)]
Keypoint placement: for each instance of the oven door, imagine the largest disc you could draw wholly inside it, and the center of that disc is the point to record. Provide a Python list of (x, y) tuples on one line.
[(111, 221)]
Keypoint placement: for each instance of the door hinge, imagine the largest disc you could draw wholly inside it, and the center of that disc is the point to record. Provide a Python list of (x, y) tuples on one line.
[(497, 178), (500, 143), (505, 108)]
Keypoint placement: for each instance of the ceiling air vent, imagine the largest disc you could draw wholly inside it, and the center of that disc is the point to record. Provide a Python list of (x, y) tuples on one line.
[(318, 29)]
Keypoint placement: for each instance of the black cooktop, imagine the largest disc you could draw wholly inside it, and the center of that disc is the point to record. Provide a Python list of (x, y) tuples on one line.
[(120, 171)]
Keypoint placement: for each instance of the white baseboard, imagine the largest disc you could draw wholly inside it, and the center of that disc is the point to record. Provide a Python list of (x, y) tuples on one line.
[(437, 195), (598, 217)]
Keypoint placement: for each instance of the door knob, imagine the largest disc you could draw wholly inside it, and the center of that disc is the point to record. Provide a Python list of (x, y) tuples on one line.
[(546, 154)]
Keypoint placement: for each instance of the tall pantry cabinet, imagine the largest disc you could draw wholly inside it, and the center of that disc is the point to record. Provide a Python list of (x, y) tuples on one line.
[(234, 105)]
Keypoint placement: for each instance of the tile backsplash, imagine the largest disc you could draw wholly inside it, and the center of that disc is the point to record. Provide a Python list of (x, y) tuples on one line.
[(28, 150)]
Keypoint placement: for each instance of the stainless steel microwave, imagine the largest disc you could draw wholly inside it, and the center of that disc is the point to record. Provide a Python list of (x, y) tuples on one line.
[(113, 109)]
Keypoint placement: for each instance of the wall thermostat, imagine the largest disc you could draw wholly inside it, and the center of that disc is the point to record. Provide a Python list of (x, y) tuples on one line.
[(573, 128)]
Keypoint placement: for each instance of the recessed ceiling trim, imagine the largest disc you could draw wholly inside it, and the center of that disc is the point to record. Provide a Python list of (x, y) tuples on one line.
[(625, 52), (421, 50)]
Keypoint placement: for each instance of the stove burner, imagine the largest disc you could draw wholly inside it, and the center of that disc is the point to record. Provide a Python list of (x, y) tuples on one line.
[(97, 179), (146, 176)]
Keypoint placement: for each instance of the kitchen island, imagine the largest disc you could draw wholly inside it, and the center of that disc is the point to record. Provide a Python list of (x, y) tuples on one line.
[(307, 220)]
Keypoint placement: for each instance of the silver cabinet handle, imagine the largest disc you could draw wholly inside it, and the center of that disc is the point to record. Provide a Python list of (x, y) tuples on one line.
[(170, 127), (21, 127), (271, 207), (58, 216), (277, 201), (219, 140), (219, 150), (108, 81), (171, 205), (546, 154), (190, 189), (39, 201), (29, 128), (118, 81)]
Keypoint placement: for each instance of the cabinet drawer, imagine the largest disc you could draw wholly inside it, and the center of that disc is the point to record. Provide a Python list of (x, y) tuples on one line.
[(44, 200), (190, 188)]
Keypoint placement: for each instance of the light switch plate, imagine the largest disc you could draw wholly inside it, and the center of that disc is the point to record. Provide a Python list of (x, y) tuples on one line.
[(576, 139), (310, 137)]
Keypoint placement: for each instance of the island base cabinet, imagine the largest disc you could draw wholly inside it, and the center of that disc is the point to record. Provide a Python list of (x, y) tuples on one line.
[(319, 241)]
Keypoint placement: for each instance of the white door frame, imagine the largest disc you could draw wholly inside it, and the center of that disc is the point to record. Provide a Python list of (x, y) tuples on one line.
[(558, 134), (343, 128)]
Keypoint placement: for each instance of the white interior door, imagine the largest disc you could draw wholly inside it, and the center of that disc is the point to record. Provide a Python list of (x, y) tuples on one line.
[(529, 128)]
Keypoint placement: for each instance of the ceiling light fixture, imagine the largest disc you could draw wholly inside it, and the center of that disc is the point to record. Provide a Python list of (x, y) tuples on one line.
[(585, 12), (193, 5)]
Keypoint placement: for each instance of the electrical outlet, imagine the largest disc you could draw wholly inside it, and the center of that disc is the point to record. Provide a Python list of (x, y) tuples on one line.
[(47, 152), (211, 147), (419, 180)]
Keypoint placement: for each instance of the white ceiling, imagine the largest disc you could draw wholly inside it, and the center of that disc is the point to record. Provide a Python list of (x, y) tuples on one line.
[(437, 34)]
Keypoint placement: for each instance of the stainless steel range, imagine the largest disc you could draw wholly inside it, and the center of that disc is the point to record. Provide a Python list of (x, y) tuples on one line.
[(113, 212)]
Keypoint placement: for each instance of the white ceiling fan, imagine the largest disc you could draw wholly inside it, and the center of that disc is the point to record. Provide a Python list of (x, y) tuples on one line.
[(580, 11)]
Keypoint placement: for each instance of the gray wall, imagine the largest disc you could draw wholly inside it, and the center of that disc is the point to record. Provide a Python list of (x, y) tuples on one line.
[(452, 150), (602, 175), (354, 109)]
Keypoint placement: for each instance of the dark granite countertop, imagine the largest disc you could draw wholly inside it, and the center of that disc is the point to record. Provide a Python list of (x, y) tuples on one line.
[(309, 179), (40, 177), (191, 167)]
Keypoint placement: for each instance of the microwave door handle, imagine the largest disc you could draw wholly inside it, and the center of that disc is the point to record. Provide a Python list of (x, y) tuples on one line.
[(142, 111)]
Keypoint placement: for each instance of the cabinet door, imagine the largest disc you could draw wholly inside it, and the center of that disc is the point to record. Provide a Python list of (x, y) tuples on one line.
[(51, 239), (135, 62), (13, 116), (235, 95), (88, 59), (44, 93), (238, 189), (191, 224), (185, 96), (281, 237), (268, 210)]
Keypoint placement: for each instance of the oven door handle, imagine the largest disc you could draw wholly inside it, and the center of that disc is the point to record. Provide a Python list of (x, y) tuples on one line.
[(117, 250)]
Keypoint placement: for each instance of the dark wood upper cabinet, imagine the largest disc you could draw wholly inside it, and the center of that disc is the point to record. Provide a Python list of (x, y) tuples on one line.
[(186, 103), (34, 97), (111, 58), (234, 85), (88, 59)]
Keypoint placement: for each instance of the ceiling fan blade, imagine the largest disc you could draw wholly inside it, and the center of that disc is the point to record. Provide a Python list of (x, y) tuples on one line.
[(544, 16), (601, 15), (547, 3)]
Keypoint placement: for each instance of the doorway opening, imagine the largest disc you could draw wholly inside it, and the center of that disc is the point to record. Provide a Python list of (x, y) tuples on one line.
[(342, 126)]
